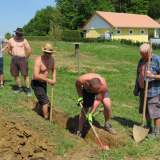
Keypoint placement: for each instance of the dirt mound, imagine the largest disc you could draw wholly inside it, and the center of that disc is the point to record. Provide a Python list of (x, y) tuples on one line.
[(17, 143)]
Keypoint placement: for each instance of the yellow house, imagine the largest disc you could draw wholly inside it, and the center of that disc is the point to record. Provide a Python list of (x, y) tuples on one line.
[(119, 26)]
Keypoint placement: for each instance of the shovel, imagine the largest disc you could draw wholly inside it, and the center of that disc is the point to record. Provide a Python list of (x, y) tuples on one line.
[(50, 117), (102, 147), (140, 132)]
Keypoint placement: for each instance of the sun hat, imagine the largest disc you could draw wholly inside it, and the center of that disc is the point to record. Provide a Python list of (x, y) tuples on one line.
[(48, 48), (19, 30)]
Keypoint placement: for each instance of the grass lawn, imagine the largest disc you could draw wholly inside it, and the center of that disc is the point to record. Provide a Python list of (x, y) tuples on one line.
[(115, 62)]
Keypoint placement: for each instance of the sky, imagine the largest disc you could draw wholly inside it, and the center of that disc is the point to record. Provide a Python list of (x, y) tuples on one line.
[(17, 13)]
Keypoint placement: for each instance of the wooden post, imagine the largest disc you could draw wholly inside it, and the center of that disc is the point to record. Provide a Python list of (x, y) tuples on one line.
[(77, 53), (76, 48)]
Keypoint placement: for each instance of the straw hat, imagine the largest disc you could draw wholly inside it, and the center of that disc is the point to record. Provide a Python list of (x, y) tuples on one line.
[(48, 48)]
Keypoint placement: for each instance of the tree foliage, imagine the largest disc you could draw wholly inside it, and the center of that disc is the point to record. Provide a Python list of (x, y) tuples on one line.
[(73, 14), (154, 9), (77, 12), (40, 24)]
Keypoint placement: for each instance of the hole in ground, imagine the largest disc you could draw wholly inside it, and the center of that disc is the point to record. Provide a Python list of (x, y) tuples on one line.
[(71, 123)]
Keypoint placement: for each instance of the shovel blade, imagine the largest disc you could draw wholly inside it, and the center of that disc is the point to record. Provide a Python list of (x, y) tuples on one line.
[(139, 133)]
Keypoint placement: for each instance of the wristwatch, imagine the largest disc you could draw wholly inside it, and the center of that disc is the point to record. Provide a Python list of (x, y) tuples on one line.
[(154, 76)]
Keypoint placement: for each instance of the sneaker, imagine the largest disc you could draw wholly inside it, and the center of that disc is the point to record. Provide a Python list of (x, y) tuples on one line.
[(79, 134), (29, 92), (153, 135), (19, 90), (108, 128)]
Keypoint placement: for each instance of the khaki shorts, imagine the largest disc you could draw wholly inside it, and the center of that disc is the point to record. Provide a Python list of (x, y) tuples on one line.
[(152, 105), (19, 63)]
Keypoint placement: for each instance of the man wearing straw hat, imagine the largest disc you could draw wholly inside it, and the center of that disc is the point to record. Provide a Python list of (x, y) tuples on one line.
[(42, 65), (153, 92), (16, 49)]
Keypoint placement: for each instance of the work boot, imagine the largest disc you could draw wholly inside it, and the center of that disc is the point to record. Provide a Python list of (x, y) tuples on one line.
[(108, 128), (153, 135), (79, 134), (19, 90), (29, 92)]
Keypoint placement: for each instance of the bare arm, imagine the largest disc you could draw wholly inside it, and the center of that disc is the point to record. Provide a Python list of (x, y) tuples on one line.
[(3, 49), (79, 87), (9, 48), (97, 102), (26, 44), (151, 75)]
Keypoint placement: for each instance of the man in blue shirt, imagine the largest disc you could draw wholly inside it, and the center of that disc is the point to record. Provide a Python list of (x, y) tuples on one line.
[(153, 93), (2, 40)]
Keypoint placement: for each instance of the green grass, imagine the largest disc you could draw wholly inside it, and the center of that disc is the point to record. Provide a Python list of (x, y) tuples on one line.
[(116, 63)]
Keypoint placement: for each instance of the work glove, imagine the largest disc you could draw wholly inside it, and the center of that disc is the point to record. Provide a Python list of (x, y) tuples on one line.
[(90, 117), (80, 100)]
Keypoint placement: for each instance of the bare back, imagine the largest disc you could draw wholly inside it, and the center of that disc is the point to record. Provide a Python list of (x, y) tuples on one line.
[(85, 79), (17, 47), (42, 67)]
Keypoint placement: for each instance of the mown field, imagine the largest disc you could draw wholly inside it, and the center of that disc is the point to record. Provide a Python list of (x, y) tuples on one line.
[(117, 64)]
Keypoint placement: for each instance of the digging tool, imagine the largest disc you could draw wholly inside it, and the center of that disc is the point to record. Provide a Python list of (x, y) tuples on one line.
[(102, 147), (100, 110), (50, 117), (140, 132)]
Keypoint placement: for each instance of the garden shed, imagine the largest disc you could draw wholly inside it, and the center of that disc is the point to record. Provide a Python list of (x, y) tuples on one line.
[(119, 26)]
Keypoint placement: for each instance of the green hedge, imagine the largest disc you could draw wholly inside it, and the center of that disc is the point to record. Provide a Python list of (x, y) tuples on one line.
[(72, 34)]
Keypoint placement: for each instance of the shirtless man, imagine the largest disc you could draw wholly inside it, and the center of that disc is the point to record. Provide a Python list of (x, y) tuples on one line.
[(16, 49), (93, 84), (42, 65)]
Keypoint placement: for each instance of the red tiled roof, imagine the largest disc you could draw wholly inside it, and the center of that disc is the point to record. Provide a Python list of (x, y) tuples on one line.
[(126, 20)]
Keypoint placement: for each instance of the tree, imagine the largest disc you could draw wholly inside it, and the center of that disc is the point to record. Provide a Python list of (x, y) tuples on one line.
[(153, 9), (77, 12), (7, 34), (56, 28), (40, 24), (131, 6)]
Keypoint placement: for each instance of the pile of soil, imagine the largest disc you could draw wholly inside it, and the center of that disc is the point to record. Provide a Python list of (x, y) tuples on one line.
[(17, 143)]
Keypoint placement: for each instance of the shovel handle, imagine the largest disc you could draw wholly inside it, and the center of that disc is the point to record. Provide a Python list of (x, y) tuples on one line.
[(92, 127), (146, 87), (51, 105)]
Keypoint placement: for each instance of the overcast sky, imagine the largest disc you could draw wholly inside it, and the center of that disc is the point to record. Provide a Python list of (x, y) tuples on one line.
[(17, 13)]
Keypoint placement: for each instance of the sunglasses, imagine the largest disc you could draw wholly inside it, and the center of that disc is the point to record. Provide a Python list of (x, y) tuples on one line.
[(19, 35), (47, 53)]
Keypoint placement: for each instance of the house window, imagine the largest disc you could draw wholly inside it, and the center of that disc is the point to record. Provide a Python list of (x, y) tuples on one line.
[(131, 32), (118, 32), (142, 32)]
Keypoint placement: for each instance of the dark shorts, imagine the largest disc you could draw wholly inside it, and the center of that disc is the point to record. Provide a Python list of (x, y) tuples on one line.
[(40, 90), (1, 64), (88, 98), (152, 105), (19, 63)]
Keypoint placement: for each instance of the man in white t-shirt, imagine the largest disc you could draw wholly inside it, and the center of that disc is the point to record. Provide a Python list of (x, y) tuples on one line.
[(2, 40)]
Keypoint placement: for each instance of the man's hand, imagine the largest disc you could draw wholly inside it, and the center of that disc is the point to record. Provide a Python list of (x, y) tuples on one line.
[(52, 82), (90, 117), (80, 100), (149, 74)]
